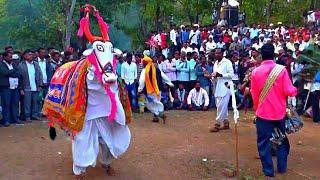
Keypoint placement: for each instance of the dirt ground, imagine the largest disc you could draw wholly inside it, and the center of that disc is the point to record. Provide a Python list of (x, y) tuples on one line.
[(176, 150)]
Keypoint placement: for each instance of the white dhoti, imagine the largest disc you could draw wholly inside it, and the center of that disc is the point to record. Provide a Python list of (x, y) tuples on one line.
[(222, 108), (113, 138), (154, 104)]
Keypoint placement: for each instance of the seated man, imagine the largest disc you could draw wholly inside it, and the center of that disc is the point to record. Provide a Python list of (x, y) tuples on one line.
[(198, 98), (166, 98), (180, 98)]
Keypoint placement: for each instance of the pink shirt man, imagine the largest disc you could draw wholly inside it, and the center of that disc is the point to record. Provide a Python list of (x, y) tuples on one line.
[(274, 105)]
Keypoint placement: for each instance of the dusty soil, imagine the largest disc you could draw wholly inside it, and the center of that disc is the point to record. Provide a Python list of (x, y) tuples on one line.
[(176, 150)]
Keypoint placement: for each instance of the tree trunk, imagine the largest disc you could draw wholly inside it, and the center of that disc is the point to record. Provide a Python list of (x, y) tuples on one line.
[(157, 20), (69, 22), (312, 5), (269, 10)]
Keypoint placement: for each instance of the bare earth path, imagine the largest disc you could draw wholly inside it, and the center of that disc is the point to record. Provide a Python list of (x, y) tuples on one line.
[(172, 151)]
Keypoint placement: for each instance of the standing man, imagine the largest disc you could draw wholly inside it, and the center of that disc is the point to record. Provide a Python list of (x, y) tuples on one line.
[(173, 39), (9, 90), (129, 74), (223, 72), (183, 69), (32, 82), (46, 72), (271, 110)]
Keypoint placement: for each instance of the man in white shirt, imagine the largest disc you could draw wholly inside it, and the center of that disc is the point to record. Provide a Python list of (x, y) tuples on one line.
[(32, 84), (198, 99), (210, 45), (223, 72), (173, 39), (47, 73), (129, 74), (186, 48), (194, 35)]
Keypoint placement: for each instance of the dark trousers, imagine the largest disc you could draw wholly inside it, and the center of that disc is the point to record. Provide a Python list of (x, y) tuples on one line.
[(31, 104), (315, 106), (10, 105), (197, 108), (265, 129), (131, 88), (178, 104)]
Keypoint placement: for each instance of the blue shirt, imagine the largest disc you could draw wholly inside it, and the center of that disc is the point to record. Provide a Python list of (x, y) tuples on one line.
[(317, 77), (185, 36), (192, 64), (32, 76), (204, 81), (183, 70)]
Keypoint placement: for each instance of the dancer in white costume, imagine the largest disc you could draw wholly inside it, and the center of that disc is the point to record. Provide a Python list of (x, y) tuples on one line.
[(151, 82), (113, 137)]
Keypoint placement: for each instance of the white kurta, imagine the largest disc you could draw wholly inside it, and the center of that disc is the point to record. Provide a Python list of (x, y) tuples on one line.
[(222, 93), (114, 137)]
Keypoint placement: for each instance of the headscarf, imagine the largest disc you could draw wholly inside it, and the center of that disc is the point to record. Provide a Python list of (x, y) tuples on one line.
[(151, 84)]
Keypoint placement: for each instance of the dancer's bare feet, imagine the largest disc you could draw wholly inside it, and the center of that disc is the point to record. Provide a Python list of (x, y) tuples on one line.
[(109, 170)]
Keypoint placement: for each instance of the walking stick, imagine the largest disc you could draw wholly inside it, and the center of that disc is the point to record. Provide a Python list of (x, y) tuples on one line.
[(235, 117), (237, 148), (305, 104)]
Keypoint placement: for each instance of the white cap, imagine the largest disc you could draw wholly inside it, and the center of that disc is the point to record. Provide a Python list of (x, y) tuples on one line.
[(279, 23), (196, 25), (15, 56), (271, 24), (182, 26), (146, 53), (261, 35), (211, 36)]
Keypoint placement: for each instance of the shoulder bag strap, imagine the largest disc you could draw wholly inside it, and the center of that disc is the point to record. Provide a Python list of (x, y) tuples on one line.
[(270, 81)]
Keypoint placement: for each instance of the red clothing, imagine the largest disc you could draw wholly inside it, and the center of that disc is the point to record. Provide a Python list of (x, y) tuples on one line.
[(226, 39), (274, 105), (204, 35), (164, 41)]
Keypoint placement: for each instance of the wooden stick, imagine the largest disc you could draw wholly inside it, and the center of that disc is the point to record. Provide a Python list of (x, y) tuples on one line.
[(237, 149)]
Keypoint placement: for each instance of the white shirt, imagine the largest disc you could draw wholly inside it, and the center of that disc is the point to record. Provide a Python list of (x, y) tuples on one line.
[(210, 46), (186, 50), (236, 69), (257, 46), (12, 81), (142, 80), (129, 72), (43, 67), (225, 68), (198, 98), (193, 37), (32, 76), (158, 39), (290, 46), (173, 36), (304, 45)]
